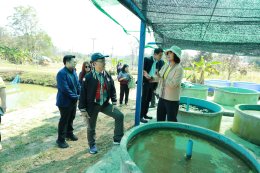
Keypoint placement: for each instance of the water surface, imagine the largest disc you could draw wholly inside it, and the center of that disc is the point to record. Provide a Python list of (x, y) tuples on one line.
[(24, 95), (163, 151)]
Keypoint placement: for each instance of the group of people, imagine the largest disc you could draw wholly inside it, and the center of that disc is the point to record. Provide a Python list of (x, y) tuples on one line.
[(93, 91), (95, 87), (164, 80)]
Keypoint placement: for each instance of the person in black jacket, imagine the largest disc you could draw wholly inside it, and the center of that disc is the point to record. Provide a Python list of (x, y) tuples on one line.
[(96, 91), (151, 66)]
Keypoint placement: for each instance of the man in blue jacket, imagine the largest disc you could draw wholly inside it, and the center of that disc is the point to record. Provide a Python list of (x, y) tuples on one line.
[(67, 97), (96, 91)]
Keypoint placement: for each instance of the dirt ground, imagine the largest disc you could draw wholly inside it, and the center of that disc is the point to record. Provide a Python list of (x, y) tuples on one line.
[(29, 134)]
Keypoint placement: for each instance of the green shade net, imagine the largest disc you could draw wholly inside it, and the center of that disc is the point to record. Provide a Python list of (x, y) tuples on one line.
[(221, 26)]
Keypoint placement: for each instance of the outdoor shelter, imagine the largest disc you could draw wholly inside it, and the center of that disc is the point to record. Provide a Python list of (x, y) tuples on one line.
[(221, 26)]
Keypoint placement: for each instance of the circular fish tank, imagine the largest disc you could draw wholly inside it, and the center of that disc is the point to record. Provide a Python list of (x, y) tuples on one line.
[(165, 147), (231, 96), (247, 85), (247, 122), (196, 91), (200, 112), (216, 84)]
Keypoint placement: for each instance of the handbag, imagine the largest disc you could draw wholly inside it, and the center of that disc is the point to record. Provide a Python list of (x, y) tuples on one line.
[(131, 83)]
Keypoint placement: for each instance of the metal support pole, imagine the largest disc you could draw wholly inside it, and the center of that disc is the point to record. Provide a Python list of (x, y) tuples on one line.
[(140, 74)]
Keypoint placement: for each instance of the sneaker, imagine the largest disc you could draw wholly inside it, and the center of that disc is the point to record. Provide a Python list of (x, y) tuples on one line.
[(93, 150), (72, 137), (62, 144), (115, 142), (152, 106)]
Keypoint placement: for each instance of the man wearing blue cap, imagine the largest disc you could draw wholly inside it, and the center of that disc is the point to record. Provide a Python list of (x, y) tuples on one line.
[(97, 89)]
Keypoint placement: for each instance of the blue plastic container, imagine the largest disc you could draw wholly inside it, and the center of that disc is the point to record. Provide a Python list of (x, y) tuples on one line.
[(247, 85), (216, 83)]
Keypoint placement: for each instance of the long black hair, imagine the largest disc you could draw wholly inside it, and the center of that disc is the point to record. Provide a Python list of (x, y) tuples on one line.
[(124, 67), (176, 59)]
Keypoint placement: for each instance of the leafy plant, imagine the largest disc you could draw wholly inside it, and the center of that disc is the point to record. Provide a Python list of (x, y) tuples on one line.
[(200, 68)]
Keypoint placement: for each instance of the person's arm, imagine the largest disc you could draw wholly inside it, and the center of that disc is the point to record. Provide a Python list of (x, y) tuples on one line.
[(113, 92), (3, 98), (120, 77), (175, 81), (83, 95), (78, 84), (157, 76), (62, 84)]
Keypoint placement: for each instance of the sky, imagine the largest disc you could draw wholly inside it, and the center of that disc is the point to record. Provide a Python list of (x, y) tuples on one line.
[(74, 24)]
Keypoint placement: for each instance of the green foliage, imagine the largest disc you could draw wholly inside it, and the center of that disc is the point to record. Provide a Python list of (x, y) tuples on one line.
[(37, 78), (200, 68), (27, 41), (14, 55), (115, 61)]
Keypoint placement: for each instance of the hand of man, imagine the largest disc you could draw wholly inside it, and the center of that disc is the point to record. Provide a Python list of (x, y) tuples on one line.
[(85, 114), (146, 75)]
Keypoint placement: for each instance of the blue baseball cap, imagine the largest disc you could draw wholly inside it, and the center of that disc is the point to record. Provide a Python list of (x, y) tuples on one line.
[(97, 56)]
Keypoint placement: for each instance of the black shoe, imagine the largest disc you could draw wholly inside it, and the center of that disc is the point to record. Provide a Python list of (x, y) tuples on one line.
[(72, 137), (143, 121), (147, 117), (62, 144), (116, 142)]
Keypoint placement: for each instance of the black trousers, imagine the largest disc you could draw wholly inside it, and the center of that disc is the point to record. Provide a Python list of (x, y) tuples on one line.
[(65, 126), (153, 101), (124, 91), (147, 93), (169, 108)]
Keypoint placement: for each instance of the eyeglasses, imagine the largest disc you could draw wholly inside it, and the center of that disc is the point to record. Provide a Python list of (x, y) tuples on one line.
[(87, 66)]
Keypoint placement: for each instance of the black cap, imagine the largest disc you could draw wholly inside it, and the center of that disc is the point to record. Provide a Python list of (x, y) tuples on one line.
[(97, 56)]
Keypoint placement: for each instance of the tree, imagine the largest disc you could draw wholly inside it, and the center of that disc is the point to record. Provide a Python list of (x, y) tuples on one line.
[(27, 36), (24, 24), (230, 64), (14, 55), (206, 55), (43, 44)]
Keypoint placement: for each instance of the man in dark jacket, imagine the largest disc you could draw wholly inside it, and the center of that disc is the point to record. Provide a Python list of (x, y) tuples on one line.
[(67, 97), (96, 91), (152, 65)]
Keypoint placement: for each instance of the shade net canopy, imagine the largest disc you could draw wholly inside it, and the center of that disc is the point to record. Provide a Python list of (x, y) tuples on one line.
[(221, 26)]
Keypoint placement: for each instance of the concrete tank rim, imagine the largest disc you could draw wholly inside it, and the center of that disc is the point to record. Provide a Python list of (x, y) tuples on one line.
[(191, 88), (222, 89), (240, 150), (205, 114), (237, 108)]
